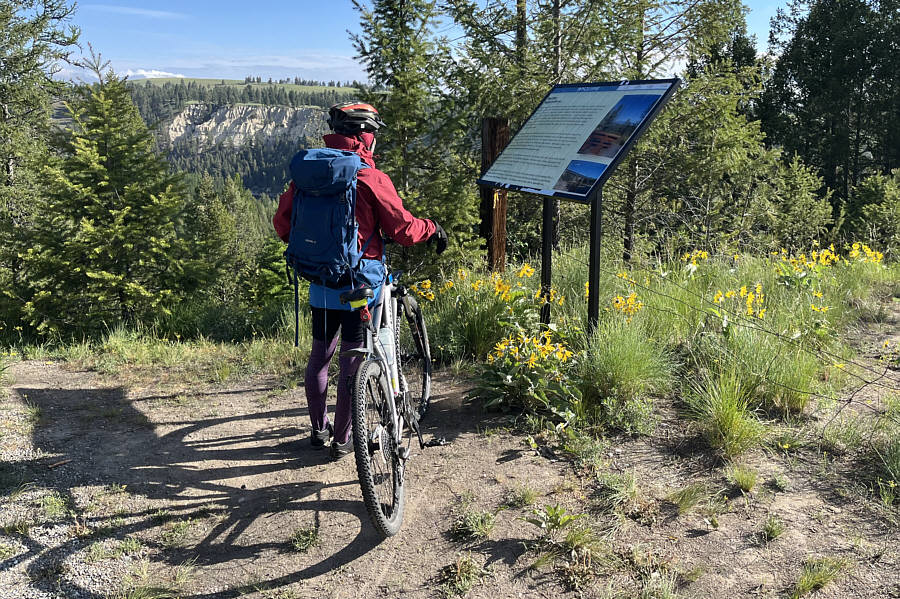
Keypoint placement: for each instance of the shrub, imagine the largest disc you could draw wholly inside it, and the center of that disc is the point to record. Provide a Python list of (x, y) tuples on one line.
[(530, 373)]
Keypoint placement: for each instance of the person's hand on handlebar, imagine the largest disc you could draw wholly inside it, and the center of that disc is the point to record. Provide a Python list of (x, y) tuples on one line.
[(439, 237)]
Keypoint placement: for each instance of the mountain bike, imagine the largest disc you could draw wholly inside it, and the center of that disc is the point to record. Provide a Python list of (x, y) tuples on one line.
[(390, 395)]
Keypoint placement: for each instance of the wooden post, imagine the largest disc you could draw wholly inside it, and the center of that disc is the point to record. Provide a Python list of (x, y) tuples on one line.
[(494, 137)]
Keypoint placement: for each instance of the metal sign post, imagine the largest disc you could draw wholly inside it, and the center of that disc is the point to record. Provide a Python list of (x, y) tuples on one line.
[(594, 265)]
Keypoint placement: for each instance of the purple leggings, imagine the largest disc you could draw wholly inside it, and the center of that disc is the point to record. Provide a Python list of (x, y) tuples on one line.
[(325, 329)]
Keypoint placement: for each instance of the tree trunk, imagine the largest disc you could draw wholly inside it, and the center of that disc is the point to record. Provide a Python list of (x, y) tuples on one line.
[(557, 77), (521, 33), (494, 137)]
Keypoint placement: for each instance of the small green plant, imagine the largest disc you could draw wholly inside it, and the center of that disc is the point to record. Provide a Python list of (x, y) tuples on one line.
[(588, 451), (7, 551), (18, 526), (772, 528), (780, 483), (817, 572), (520, 496), (687, 497), (470, 523), (176, 533), (844, 435), (55, 505), (303, 539), (720, 404), (887, 491), (458, 578), (743, 477), (618, 492), (552, 519)]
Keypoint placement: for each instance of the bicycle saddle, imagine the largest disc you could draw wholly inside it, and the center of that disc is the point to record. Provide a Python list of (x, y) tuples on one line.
[(357, 295)]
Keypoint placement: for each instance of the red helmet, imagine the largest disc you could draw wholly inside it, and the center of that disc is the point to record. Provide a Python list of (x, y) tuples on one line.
[(351, 118)]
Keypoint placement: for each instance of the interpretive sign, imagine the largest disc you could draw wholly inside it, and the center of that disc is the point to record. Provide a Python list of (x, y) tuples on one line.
[(572, 143)]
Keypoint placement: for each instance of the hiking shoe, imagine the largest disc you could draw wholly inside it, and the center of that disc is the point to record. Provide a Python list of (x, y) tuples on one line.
[(339, 450), (319, 439)]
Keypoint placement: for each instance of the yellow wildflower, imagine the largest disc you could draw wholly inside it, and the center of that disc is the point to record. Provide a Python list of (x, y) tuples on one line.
[(525, 271)]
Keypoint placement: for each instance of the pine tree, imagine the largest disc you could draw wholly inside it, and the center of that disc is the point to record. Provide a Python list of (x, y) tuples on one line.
[(105, 250), (34, 40), (418, 145)]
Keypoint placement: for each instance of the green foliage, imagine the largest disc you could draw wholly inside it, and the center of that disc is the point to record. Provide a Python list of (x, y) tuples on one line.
[(832, 95), (105, 250), (772, 528), (743, 477), (553, 519), (530, 373), (689, 496), (801, 215), (471, 523), (875, 206), (719, 402), (620, 370), (817, 572), (458, 578), (34, 39), (304, 539)]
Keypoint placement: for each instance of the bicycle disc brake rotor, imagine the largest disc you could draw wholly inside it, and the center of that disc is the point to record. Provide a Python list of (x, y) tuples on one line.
[(380, 443)]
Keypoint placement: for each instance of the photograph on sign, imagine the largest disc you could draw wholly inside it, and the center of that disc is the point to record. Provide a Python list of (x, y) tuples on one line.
[(617, 126), (574, 139)]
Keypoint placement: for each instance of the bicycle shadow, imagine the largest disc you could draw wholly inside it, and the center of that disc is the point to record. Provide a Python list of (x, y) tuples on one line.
[(229, 473)]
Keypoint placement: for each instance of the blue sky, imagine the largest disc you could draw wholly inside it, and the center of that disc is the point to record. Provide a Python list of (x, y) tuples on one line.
[(232, 39)]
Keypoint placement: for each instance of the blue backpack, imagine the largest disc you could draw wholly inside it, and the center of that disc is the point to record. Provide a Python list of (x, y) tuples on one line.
[(322, 246)]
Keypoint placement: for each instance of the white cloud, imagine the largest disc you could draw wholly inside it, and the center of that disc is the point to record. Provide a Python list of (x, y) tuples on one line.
[(138, 12), (151, 74)]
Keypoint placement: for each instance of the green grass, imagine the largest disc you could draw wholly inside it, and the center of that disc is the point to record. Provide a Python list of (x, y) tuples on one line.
[(743, 477), (176, 533), (689, 496), (618, 492), (816, 574), (303, 539), (55, 505), (621, 370), (520, 496), (458, 578), (772, 528), (471, 523), (719, 403)]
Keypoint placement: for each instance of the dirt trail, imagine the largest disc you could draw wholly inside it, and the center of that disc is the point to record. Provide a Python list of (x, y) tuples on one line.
[(212, 482)]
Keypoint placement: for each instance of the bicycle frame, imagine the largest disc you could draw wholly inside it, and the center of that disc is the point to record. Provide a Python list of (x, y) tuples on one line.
[(384, 314)]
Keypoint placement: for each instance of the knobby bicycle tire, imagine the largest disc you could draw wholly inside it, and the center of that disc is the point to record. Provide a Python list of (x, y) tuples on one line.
[(378, 462), (415, 354)]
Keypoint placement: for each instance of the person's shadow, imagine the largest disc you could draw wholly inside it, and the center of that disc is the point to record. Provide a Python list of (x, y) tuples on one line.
[(109, 441)]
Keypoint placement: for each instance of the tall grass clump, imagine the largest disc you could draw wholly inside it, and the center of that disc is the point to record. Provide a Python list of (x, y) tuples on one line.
[(620, 370), (719, 402)]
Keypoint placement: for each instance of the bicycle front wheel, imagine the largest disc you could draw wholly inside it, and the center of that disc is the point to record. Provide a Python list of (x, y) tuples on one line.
[(378, 462), (414, 354)]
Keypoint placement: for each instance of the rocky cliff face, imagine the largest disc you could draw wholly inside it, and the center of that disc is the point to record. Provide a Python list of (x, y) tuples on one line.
[(239, 124)]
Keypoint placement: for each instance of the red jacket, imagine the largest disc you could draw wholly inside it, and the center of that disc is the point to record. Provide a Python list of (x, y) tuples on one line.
[(377, 207)]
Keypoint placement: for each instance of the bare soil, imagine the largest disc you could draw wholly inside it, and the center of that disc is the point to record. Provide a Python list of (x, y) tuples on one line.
[(212, 481)]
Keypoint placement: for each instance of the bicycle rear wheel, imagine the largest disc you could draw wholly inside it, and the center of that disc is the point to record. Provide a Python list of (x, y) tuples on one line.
[(378, 463), (415, 355)]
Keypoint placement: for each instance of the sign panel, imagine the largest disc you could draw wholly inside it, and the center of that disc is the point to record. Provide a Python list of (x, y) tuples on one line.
[(575, 139)]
